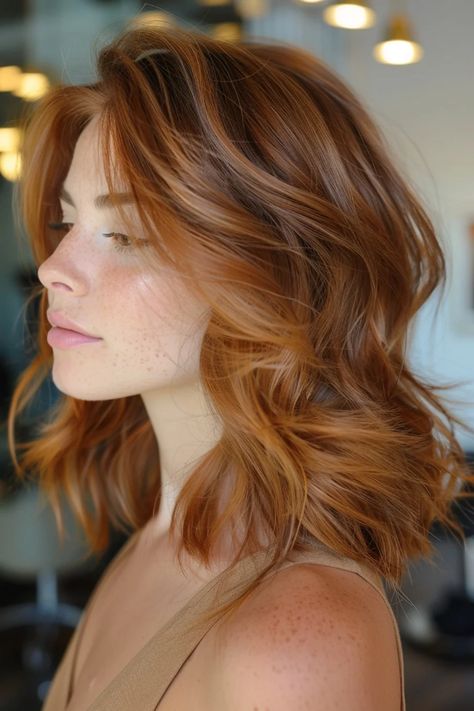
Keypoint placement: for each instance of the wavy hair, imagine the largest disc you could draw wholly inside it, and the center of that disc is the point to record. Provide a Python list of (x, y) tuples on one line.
[(261, 179)]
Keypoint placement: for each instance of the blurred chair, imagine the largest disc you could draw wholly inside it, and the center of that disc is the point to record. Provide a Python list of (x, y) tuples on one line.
[(30, 549), (439, 618)]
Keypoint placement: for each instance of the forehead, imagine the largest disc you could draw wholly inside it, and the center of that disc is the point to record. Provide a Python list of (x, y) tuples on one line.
[(88, 141), (87, 170), (87, 157)]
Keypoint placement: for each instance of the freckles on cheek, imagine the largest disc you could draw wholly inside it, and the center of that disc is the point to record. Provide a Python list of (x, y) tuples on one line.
[(141, 319), (139, 351)]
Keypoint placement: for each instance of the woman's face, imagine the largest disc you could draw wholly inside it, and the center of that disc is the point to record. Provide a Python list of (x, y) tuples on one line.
[(150, 327)]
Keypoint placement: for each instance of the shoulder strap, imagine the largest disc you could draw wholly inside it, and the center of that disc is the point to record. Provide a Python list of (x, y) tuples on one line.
[(60, 688), (145, 679)]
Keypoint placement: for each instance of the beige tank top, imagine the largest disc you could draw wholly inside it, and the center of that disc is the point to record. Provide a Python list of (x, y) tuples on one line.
[(138, 685)]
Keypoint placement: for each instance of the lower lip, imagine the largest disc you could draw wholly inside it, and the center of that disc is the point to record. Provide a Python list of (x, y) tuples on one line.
[(64, 338)]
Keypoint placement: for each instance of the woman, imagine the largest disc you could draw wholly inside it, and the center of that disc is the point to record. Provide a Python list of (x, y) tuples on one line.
[(226, 225)]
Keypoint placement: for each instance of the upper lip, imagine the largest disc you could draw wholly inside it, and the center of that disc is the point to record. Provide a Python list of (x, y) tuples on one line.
[(56, 318)]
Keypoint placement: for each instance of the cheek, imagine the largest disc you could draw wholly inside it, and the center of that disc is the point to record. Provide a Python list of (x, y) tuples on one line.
[(135, 312), (151, 318), (165, 300)]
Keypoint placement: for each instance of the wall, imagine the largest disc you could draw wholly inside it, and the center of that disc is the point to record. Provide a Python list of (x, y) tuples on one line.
[(426, 111)]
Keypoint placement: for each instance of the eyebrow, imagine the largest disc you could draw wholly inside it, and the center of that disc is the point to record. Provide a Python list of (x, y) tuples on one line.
[(101, 201)]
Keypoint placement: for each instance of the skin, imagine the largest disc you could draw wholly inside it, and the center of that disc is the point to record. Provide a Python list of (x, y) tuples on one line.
[(150, 324), (313, 638)]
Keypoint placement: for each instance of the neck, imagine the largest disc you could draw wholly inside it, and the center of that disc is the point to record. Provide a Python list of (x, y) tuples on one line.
[(186, 430)]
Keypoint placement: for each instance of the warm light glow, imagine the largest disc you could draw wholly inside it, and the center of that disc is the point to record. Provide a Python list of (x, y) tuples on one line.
[(32, 86), (350, 15), (9, 77), (10, 165), (249, 9), (398, 45), (214, 3), (398, 52), (152, 19), (9, 139), (230, 31)]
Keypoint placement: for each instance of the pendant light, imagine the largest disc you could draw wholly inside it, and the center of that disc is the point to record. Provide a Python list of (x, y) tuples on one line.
[(398, 46), (10, 165), (32, 84), (9, 77), (10, 156), (9, 139), (226, 31), (353, 15), (151, 19)]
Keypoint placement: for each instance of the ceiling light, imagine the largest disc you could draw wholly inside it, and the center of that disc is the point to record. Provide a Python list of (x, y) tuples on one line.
[(9, 139), (354, 15), (9, 77), (152, 19), (230, 31), (10, 165), (399, 46), (32, 86)]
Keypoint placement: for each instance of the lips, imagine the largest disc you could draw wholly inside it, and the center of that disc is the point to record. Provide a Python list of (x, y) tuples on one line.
[(56, 318)]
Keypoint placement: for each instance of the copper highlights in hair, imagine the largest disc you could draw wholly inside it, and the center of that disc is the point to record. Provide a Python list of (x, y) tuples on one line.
[(262, 180)]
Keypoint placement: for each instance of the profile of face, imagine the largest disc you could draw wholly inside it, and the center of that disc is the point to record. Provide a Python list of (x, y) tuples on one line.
[(149, 325)]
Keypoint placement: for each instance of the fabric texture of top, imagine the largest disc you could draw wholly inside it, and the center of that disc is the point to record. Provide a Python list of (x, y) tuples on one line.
[(144, 680)]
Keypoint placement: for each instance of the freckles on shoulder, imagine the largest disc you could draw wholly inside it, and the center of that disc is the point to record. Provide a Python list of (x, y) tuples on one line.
[(312, 638)]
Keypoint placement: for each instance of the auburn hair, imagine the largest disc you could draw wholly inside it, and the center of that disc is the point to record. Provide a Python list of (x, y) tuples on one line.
[(262, 180)]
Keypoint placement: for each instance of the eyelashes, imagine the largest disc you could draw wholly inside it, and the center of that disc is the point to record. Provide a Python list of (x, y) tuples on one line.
[(121, 243)]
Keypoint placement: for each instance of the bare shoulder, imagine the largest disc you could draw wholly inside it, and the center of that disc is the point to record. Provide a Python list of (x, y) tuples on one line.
[(311, 637)]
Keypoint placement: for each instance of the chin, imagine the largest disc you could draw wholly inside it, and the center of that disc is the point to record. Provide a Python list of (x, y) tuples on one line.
[(72, 386)]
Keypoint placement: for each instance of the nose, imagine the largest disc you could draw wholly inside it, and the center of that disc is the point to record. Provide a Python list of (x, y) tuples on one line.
[(62, 272)]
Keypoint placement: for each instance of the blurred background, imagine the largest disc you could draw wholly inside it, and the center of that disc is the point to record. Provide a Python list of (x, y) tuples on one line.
[(411, 63)]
